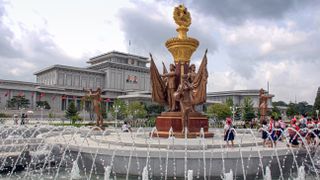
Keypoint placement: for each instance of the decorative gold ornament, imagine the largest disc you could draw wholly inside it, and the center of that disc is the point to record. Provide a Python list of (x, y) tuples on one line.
[(182, 16), (182, 47)]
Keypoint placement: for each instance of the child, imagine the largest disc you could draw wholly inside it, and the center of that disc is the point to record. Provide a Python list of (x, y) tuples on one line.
[(228, 132), (293, 132), (272, 132), (282, 127), (126, 127), (264, 130)]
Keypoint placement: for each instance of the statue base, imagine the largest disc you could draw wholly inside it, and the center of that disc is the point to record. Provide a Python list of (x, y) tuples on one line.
[(173, 119)]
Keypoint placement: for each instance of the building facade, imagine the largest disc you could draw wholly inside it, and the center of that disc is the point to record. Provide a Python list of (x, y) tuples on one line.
[(237, 97), (115, 73), (119, 75)]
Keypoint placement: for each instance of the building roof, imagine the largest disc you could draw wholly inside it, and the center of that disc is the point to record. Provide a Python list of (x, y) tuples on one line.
[(59, 66), (101, 57), (236, 93), (103, 65)]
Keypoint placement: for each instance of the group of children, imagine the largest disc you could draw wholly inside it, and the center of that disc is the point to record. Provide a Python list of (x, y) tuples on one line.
[(304, 130), (272, 131)]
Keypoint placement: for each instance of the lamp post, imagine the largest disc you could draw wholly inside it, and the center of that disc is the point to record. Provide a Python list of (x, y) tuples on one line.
[(317, 111), (233, 110)]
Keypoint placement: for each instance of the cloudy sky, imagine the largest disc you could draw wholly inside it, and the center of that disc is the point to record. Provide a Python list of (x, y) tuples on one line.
[(250, 42)]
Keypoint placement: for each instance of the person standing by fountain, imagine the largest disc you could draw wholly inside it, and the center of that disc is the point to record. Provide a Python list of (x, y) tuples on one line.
[(272, 132), (264, 130), (316, 126), (310, 135), (229, 132), (23, 116), (283, 126), (293, 132)]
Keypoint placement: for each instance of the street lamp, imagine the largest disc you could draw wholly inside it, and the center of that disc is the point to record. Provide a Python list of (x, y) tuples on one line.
[(233, 110), (317, 111)]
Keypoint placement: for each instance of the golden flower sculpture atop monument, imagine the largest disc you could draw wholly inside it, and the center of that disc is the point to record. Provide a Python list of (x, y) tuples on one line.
[(182, 16), (182, 47)]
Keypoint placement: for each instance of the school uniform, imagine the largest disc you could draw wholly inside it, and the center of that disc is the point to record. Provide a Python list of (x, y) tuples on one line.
[(229, 133)]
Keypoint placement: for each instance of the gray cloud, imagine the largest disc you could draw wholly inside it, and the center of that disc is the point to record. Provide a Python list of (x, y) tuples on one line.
[(34, 50), (237, 11), (148, 33), (7, 47)]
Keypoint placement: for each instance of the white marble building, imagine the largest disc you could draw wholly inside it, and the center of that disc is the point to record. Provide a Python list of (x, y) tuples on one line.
[(237, 96), (115, 73), (119, 75)]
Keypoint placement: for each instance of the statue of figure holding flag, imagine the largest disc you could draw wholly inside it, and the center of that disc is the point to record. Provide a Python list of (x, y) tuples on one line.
[(95, 97)]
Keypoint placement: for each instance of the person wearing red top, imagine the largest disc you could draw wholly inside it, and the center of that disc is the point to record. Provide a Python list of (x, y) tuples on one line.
[(229, 132), (310, 136), (293, 132), (272, 132)]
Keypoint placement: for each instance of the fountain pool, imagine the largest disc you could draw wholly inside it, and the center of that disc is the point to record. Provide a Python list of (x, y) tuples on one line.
[(49, 152)]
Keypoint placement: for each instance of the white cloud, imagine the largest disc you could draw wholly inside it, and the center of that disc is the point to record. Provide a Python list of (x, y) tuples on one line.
[(266, 48)]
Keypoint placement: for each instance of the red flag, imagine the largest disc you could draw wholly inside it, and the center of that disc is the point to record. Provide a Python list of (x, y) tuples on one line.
[(63, 97), (107, 100)]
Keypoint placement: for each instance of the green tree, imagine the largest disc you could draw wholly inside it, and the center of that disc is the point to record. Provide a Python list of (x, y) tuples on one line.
[(229, 102), (119, 109), (220, 111), (275, 112), (247, 109), (279, 103), (303, 107), (72, 113), (17, 102), (292, 110), (43, 104), (137, 110)]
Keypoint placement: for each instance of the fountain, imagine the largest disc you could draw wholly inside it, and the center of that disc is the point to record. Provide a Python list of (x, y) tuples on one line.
[(75, 172), (181, 146), (83, 153)]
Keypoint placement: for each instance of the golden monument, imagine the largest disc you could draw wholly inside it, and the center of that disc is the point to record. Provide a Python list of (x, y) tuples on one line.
[(182, 87)]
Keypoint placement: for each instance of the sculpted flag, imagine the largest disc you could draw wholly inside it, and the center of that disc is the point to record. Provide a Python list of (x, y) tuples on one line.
[(157, 84), (200, 82)]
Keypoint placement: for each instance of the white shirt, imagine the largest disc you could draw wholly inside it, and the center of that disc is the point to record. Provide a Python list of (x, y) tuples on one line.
[(125, 127)]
